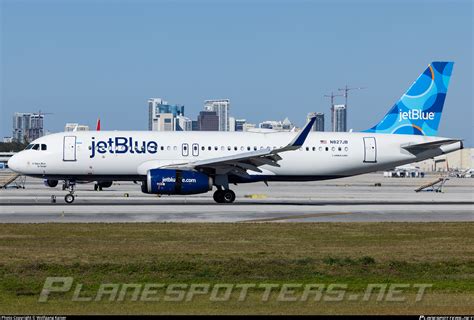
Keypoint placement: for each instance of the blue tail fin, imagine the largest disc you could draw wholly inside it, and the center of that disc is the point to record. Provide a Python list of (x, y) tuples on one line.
[(419, 110)]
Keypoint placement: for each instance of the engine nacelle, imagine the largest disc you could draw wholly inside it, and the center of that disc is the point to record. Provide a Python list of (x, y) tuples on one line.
[(105, 184), (51, 183), (168, 181)]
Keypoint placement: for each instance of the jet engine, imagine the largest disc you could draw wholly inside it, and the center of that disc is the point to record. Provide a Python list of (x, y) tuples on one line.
[(51, 183), (104, 184), (168, 181)]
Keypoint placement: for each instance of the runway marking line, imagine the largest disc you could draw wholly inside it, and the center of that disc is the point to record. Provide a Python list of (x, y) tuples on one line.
[(301, 216)]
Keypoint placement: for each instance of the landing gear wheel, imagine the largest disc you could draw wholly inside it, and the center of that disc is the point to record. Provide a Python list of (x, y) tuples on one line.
[(224, 196), (69, 198), (218, 197), (228, 196)]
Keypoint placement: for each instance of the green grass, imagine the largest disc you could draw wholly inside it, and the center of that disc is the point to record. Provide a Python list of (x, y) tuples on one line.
[(356, 254)]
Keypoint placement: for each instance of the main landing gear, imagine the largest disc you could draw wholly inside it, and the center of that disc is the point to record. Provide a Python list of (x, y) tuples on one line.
[(69, 198), (224, 196)]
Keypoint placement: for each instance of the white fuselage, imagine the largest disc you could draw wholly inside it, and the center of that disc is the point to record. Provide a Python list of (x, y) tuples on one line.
[(93, 154)]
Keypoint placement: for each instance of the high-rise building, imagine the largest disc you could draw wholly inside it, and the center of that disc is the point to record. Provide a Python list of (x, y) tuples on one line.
[(231, 124), (195, 125), (239, 124), (164, 122), (319, 122), (221, 108), (339, 118), (184, 123), (159, 112), (208, 121), (73, 127), (27, 126)]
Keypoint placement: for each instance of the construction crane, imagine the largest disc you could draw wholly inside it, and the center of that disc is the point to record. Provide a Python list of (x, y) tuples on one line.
[(42, 113), (332, 96), (346, 90)]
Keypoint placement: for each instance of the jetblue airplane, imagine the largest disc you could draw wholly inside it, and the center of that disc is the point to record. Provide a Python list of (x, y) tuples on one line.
[(195, 162)]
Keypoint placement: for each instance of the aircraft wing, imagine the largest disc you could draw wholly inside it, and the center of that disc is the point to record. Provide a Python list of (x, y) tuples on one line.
[(420, 147), (241, 162)]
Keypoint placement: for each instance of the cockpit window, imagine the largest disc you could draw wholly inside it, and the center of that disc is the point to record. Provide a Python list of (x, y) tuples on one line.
[(36, 147), (29, 146), (43, 147)]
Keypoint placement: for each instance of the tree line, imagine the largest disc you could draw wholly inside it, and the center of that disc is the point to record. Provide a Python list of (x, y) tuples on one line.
[(12, 146)]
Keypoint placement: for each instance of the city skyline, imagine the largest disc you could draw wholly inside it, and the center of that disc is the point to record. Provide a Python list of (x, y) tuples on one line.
[(269, 70)]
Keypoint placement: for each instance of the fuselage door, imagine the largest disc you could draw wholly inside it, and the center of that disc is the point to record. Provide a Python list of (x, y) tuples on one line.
[(69, 148), (370, 150)]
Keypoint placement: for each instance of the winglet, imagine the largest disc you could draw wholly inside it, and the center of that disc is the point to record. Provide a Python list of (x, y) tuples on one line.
[(299, 140)]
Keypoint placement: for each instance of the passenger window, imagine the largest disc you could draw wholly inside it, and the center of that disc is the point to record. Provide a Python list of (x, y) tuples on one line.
[(346, 149), (229, 148), (168, 148), (248, 148), (327, 148), (339, 149), (43, 147), (235, 148), (216, 148), (307, 148), (333, 149), (255, 148), (209, 148), (175, 148), (320, 148), (242, 148), (314, 148)]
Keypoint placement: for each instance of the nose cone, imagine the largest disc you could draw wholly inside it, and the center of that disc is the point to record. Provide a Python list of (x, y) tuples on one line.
[(13, 163)]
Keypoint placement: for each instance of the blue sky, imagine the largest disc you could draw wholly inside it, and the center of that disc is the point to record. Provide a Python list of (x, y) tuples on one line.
[(84, 59)]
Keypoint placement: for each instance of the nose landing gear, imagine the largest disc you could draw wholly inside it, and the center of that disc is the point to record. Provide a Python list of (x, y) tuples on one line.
[(69, 198)]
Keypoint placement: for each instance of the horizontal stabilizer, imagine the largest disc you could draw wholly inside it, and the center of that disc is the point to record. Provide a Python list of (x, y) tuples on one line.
[(420, 147)]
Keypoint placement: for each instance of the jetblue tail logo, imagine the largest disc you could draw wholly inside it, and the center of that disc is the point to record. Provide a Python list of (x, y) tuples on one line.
[(419, 110)]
